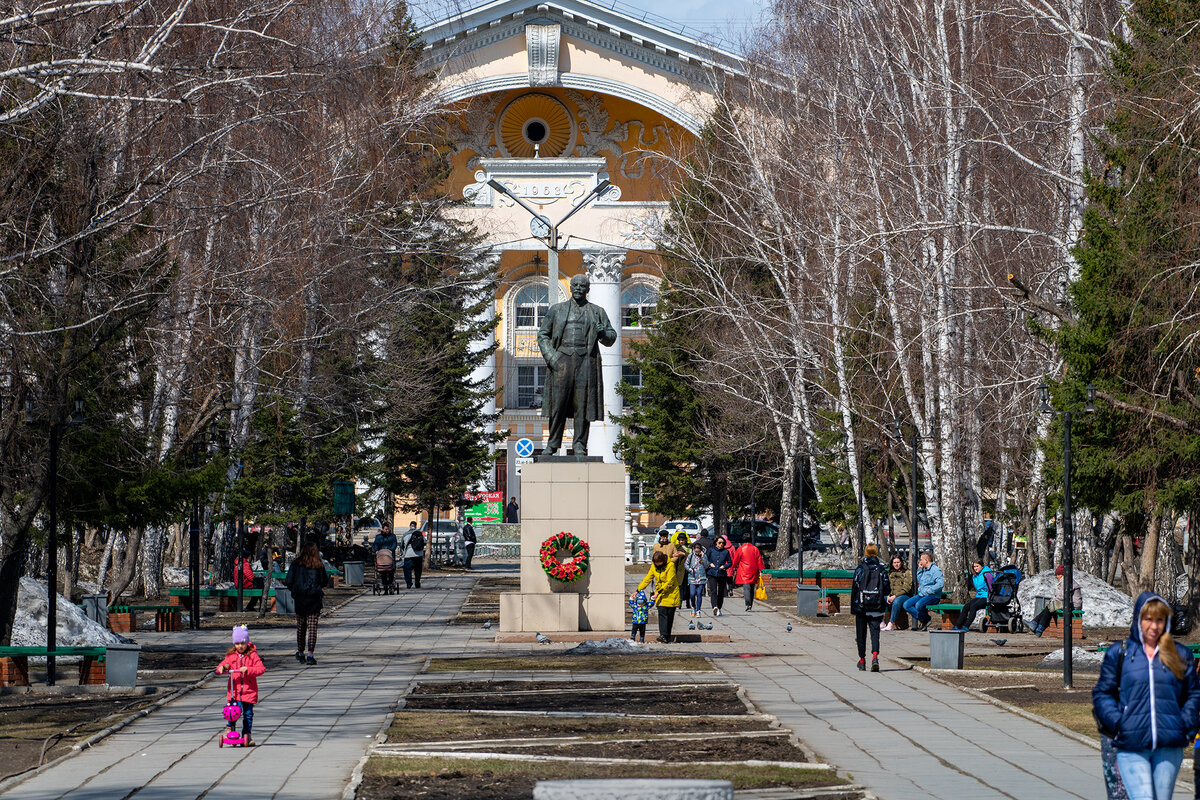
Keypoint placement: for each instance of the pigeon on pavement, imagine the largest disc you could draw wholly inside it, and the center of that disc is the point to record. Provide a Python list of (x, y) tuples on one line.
[(692, 626), (999, 642), (487, 625), (789, 627), (708, 627), (543, 639)]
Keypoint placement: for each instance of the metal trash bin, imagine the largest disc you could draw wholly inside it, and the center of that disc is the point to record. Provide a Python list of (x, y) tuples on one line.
[(806, 599), (946, 649), (95, 608), (352, 571), (284, 602), (121, 663)]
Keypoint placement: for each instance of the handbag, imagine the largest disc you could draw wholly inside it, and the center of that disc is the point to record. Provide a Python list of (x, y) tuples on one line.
[(760, 591)]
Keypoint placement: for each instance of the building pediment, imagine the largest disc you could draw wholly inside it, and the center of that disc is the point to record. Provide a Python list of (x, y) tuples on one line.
[(513, 44)]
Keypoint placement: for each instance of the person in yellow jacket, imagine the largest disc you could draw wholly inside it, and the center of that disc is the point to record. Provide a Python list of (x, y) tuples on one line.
[(666, 592)]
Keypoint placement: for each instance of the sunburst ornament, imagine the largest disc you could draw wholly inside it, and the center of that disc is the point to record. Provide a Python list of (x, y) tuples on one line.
[(536, 124)]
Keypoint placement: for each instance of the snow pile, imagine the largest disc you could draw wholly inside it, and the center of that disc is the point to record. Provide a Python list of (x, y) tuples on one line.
[(613, 644), (175, 576), (74, 629), (1103, 606), (1079, 658), (831, 558)]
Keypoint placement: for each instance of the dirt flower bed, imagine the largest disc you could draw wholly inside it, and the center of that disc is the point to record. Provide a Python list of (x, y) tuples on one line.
[(444, 779), (626, 698), (416, 727), (36, 728), (580, 663)]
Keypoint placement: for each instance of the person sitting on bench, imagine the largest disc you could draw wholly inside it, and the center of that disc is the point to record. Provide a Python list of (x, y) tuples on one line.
[(1039, 623), (977, 603), (929, 591)]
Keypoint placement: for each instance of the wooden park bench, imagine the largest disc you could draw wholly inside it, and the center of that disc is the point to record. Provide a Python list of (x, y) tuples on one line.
[(123, 619), (949, 613), (227, 598), (14, 663)]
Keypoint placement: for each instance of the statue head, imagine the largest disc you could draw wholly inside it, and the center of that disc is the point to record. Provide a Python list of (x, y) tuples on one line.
[(580, 284)]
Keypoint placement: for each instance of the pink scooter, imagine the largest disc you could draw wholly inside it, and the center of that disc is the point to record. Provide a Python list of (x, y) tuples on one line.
[(232, 713)]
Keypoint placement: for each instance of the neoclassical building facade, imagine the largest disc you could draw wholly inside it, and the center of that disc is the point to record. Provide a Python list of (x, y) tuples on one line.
[(545, 103)]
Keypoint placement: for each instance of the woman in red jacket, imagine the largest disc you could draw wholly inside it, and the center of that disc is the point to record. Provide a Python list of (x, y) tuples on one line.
[(244, 666), (748, 564)]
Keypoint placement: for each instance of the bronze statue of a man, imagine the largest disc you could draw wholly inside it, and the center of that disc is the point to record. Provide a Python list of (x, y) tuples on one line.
[(570, 337)]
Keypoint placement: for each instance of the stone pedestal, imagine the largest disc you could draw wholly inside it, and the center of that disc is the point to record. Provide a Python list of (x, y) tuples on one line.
[(586, 499)]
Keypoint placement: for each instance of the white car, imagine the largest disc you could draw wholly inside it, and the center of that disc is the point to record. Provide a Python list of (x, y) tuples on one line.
[(691, 527)]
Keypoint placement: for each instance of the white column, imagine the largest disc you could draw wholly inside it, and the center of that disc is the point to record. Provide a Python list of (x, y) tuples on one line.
[(484, 375), (604, 271)]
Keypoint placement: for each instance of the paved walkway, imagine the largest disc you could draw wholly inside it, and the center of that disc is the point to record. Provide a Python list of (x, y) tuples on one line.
[(898, 733), (312, 724)]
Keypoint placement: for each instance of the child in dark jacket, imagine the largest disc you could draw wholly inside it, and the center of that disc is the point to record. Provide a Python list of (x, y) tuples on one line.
[(244, 666)]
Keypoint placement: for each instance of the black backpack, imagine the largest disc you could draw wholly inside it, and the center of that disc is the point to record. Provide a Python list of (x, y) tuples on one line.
[(417, 542), (869, 584)]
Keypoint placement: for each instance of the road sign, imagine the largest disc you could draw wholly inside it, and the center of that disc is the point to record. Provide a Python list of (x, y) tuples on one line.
[(522, 461), (343, 498), (524, 450)]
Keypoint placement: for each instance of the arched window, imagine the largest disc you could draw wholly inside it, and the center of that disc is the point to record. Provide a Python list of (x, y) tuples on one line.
[(637, 305), (530, 305)]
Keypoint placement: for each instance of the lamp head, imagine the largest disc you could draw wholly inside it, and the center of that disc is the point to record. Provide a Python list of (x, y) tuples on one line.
[(1091, 399), (78, 418), (28, 420), (1044, 398)]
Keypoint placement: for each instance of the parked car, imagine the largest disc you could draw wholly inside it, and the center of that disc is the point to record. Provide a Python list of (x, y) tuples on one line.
[(691, 527), (443, 538), (766, 534)]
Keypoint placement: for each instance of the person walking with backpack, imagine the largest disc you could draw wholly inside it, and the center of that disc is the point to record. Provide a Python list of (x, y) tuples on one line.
[(1147, 700), (307, 579), (868, 604), (412, 547)]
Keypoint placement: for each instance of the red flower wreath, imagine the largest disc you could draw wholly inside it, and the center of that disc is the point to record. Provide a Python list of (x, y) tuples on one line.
[(568, 569)]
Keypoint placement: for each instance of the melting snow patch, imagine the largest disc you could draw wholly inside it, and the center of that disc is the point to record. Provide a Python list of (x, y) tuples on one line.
[(613, 644), (1079, 658), (73, 629), (1103, 606)]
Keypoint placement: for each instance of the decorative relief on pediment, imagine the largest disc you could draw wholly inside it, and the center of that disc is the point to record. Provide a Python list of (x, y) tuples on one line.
[(541, 46), (594, 126), (604, 266), (633, 163), (473, 130)]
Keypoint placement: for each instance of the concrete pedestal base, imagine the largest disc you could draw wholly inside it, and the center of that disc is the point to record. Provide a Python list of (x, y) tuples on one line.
[(586, 499), (633, 789)]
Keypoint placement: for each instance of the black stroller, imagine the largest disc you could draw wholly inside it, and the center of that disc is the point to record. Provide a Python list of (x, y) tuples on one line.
[(1004, 607), (385, 573)]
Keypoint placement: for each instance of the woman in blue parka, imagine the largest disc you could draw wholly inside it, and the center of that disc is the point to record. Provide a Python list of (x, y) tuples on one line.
[(1154, 704)]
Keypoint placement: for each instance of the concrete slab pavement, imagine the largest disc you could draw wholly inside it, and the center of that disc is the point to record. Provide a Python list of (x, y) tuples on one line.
[(312, 724)]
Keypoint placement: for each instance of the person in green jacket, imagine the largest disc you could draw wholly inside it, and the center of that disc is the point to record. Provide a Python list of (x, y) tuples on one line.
[(666, 592)]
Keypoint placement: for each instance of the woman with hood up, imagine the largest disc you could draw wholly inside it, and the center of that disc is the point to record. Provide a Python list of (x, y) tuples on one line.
[(1148, 700)]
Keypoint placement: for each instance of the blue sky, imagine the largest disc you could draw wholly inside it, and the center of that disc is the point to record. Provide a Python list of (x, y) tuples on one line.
[(728, 20)]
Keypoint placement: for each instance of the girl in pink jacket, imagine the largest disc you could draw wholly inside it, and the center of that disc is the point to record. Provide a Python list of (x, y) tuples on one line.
[(244, 666)]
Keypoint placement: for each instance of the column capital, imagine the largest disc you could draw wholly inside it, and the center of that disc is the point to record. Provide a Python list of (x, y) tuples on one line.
[(604, 266)]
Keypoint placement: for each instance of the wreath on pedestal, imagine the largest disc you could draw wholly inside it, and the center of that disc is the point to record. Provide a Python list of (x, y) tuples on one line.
[(570, 568)]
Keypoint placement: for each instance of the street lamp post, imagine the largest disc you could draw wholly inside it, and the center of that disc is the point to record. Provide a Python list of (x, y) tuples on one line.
[(1068, 527), (913, 527), (52, 536), (542, 228), (196, 448)]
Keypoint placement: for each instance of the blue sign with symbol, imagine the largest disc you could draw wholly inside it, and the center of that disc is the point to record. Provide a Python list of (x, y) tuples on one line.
[(524, 448)]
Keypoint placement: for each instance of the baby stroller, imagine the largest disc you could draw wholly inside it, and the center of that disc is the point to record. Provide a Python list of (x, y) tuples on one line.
[(385, 573), (1004, 608)]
